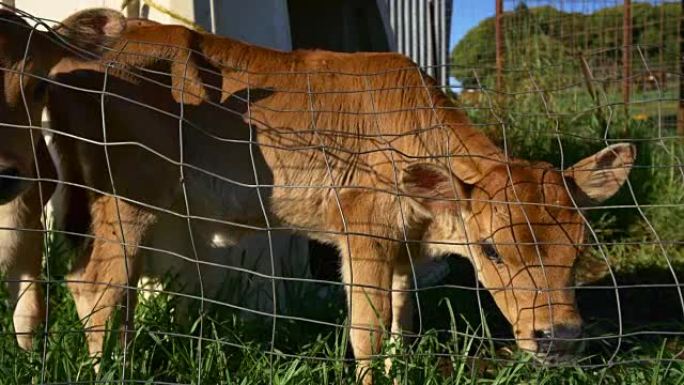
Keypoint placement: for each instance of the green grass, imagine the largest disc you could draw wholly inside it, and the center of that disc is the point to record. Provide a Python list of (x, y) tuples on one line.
[(237, 351)]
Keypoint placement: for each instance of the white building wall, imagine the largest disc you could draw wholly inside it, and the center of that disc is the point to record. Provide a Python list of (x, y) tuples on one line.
[(59, 10), (262, 22), (184, 8)]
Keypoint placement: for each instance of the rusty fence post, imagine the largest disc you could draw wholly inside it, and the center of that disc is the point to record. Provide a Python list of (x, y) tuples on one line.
[(626, 53), (680, 109), (661, 50), (499, 45)]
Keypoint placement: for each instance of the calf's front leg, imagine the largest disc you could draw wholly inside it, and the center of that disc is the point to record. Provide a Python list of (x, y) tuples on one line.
[(106, 279), (402, 308), (21, 246), (367, 274)]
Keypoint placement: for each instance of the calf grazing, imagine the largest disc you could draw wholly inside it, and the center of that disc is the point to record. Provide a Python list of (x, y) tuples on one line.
[(178, 129)]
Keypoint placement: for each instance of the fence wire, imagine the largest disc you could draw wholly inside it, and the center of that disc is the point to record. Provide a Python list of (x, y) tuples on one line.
[(215, 259)]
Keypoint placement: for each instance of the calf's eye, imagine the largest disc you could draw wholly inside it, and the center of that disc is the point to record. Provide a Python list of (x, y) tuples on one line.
[(490, 252)]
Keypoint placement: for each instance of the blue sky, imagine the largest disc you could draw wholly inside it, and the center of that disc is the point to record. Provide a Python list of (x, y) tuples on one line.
[(466, 14)]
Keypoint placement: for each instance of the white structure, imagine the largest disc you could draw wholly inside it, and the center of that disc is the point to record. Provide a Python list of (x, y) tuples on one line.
[(263, 22)]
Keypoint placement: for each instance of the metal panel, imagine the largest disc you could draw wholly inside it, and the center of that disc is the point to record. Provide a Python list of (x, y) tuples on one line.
[(414, 29), (421, 33), (406, 27), (430, 40), (387, 16), (444, 48), (420, 30)]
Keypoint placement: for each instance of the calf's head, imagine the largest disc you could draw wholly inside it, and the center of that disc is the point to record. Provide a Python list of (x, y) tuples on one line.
[(521, 225), (27, 55)]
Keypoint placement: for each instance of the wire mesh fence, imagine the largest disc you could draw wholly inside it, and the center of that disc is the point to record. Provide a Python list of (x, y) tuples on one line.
[(175, 155)]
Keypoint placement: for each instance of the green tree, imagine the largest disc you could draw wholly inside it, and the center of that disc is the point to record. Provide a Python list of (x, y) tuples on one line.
[(545, 36)]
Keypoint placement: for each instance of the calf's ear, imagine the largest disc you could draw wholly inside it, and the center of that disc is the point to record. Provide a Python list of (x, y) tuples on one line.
[(600, 176), (434, 188), (93, 29)]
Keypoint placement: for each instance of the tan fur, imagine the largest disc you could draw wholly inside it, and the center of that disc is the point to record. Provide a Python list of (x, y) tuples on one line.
[(21, 240), (362, 151)]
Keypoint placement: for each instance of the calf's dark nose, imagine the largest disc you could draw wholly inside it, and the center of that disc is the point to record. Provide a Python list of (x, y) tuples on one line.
[(559, 338)]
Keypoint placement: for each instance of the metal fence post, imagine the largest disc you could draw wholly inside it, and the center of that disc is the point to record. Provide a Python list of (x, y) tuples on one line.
[(133, 9)]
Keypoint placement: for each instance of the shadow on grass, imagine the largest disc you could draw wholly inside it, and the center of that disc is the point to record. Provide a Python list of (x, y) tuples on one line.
[(645, 309), (650, 309)]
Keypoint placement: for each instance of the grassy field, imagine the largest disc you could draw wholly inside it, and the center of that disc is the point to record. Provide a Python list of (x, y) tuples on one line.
[(234, 353), (637, 234)]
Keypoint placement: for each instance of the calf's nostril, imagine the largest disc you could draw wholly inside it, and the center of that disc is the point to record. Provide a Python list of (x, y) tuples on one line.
[(541, 334), (543, 340), (559, 332)]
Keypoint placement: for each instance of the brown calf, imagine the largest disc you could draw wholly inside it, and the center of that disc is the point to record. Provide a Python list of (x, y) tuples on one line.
[(362, 151)]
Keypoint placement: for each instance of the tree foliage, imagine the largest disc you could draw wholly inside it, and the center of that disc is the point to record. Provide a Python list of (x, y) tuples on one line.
[(545, 36)]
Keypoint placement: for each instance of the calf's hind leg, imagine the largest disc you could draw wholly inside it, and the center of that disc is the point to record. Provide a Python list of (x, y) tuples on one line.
[(106, 279)]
